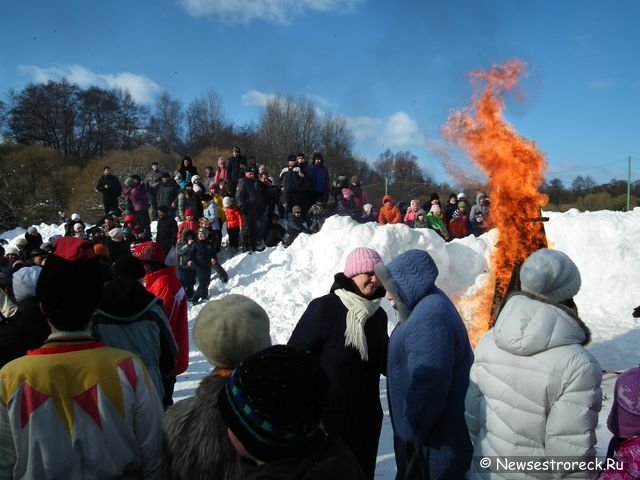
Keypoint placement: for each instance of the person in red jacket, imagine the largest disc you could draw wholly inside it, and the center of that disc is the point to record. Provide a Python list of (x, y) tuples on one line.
[(163, 282), (188, 223), (459, 226), (234, 222), (389, 213)]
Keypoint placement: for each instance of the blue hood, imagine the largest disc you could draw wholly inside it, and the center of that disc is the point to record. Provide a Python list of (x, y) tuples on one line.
[(408, 278)]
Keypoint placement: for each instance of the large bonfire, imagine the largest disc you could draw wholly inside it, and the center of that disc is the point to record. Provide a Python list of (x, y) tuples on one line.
[(514, 167)]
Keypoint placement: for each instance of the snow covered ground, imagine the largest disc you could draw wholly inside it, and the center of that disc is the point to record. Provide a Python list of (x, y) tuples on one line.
[(604, 245)]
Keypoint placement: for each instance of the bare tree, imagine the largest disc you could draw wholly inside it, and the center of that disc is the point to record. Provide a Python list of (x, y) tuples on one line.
[(44, 114), (165, 124), (205, 121)]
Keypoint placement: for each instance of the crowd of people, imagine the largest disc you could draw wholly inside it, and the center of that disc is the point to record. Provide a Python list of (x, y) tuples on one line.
[(93, 332)]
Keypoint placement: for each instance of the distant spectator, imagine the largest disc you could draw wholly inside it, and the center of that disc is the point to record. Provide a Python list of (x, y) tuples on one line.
[(367, 214), (459, 226), (290, 181), (167, 194), (136, 194), (152, 181), (434, 222), (275, 232), (421, 220), (295, 225), (236, 165), (186, 170), (320, 181), (481, 206), (33, 238), (166, 230), (360, 196), (188, 199), (346, 205), (111, 189), (221, 172), (479, 224), (234, 222), (389, 213), (450, 208), (411, 212)]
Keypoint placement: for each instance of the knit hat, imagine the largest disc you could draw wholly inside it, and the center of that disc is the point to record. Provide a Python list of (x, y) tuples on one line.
[(435, 209), (77, 226), (75, 217), (194, 178), (273, 402), (21, 242), (70, 284), (296, 209), (24, 282), (188, 212), (461, 195), (361, 260), (11, 250), (149, 252), (415, 202), (116, 234), (128, 267), (227, 202), (434, 196), (367, 208), (230, 329), (550, 274), (624, 418), (346, 192), (32, 230), (130, 218), (204, 231), (461, 204)]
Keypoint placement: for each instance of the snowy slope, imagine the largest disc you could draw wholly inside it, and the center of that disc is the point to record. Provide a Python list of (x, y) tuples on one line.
[(603, 244)]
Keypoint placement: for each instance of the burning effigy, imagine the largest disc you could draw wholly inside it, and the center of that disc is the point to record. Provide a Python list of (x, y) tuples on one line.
[(514, 167)]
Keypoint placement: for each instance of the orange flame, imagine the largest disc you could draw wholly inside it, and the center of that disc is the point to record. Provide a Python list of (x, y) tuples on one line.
[(515, 168)]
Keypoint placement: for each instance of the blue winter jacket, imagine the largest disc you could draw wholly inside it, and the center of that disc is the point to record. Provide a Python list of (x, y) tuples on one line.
[(428, 365)]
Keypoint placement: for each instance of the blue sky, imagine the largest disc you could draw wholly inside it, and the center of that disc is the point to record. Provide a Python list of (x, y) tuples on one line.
[(394, 69)]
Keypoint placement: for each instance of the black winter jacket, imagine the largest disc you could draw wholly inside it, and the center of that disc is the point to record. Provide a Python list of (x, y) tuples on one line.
[(354, 411)]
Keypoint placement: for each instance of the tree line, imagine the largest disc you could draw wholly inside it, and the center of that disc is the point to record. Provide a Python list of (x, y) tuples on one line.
[(56, 134)]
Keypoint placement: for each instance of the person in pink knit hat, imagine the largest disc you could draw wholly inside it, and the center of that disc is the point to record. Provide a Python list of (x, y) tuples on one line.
[(347, 330), (624, 423)]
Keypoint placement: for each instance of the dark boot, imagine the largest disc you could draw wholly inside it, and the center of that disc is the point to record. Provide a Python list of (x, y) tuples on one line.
[(221, 272)]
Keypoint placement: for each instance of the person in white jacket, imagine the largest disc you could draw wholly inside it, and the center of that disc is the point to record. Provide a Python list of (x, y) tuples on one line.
[(535, 390)]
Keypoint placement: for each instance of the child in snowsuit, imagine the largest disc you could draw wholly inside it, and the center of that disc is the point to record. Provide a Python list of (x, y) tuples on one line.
[(295, 225), (200, 257), (234, 222), (186, 272)]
